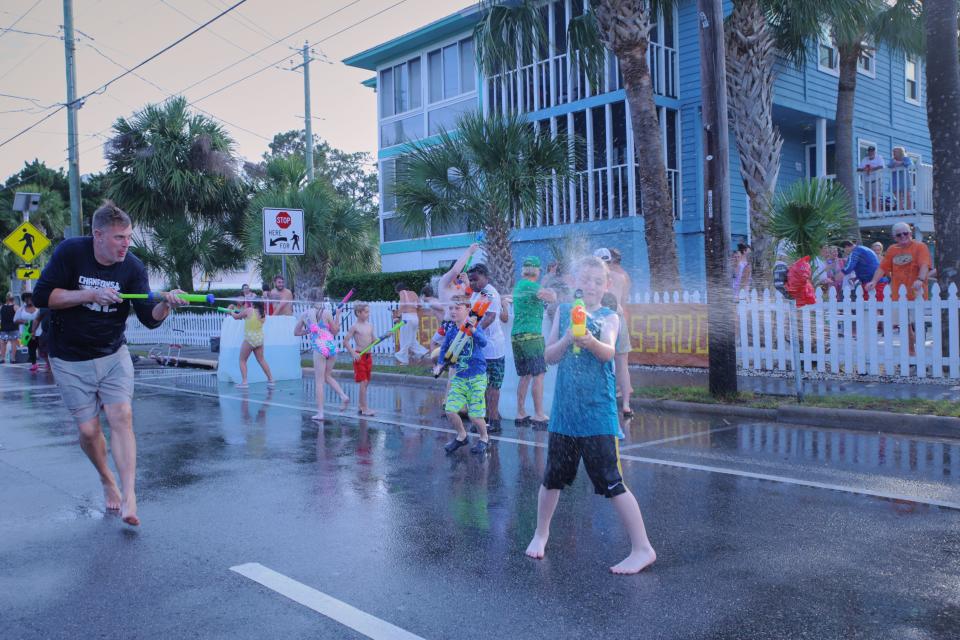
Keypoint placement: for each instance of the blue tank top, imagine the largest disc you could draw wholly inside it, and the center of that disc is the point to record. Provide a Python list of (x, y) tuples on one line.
[(585, 402)]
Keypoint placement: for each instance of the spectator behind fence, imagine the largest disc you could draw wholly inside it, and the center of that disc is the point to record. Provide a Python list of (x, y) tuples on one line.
[(861, 262)]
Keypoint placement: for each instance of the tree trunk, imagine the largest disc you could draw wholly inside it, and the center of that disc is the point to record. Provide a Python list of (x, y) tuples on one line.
[(722, 345), (750, 52), (184, 276), (657, 200), (496, 244), (943, 118), (846, 95)]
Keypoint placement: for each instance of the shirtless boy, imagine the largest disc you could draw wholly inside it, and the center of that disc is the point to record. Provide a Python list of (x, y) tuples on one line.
[(361, 334)]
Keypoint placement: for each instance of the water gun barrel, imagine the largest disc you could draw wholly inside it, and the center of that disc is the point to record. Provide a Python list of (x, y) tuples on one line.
[(346, 299), (154, 296), (383, 337), (578, 319)]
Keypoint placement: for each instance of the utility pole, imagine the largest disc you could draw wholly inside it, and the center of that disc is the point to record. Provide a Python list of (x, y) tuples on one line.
[(76, 202), (307, 124), (720, 310)]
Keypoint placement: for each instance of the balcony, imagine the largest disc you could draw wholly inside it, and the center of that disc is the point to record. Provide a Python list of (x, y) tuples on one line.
[(886, 195)]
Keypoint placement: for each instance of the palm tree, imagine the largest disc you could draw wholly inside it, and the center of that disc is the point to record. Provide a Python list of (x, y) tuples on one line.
[(810, 215), (336, 235), (492, 170), (754, 32), (507, 33), (858, 29), (174, 172), (943, 116)]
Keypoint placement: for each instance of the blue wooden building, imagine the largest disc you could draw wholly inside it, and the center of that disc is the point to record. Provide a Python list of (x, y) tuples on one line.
[(426, 79)]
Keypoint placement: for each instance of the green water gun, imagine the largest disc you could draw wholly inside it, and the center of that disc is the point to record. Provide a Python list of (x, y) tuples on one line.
[(386, 335), (155, 296)]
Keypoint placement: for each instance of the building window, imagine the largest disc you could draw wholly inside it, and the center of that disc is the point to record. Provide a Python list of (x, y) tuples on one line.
[(451, 71), (912, 80), (400, 89), (828, 58), (867, 62), (813, 169), (393, 228)]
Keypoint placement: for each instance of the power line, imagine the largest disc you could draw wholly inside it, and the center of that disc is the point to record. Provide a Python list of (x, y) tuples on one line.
[(33, 100), (273, 44), (31, 33), (262, 69), (104, 86), (37, 123), (15, 22), (173, 7)]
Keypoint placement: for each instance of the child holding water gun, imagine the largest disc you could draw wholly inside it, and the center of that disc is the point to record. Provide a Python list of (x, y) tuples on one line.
[(362, 336), (469, 384), (322, 327), (584, 421), (252, 341)]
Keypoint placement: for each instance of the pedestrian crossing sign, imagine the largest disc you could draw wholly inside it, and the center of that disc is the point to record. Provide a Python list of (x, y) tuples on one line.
[(28, 273), (27, 242)]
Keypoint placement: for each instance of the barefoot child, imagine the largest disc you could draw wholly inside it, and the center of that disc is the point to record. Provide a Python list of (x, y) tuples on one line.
[(469, 384), (584, 421), (252, 341), (362, 334), (322, 328)]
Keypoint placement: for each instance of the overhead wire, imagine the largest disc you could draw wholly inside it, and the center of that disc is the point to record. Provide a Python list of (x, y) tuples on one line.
[(17, 21), (102, 88)]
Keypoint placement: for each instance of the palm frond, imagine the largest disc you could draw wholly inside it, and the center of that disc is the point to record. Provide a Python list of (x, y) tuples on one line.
[(810, 215), (507, 35), (584, 36)]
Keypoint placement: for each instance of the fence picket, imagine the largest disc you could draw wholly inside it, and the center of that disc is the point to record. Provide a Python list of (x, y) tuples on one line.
[(936, 306), (820, 349), (755, 328), (742, 323), (833, 329), (919, 308), (953, 313), (903, 317)]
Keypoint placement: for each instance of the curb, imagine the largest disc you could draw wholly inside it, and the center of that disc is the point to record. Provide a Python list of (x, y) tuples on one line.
[(846, 419)]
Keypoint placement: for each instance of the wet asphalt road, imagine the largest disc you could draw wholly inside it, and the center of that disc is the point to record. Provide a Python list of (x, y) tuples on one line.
[(762, 530)]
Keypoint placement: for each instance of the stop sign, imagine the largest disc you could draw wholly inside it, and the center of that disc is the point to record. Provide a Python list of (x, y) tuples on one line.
[(283, 220)]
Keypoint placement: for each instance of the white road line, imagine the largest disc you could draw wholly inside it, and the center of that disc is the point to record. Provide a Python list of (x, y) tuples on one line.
[(650, 443), (796, 481), (347, 615), (658, 461)]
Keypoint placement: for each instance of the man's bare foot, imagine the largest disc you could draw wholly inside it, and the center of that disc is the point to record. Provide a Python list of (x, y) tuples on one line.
[(111, 495), (635, 562), (536, 547), (317, 417), (129, 512)]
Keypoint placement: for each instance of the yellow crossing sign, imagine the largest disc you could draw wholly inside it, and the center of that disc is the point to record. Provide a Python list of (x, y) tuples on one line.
[(27, 242), (28, 273)]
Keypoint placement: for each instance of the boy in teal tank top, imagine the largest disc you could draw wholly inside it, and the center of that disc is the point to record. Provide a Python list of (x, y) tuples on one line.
[(584, 421)]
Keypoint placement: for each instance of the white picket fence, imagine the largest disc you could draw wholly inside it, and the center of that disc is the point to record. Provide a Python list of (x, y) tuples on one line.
[(852, 336), (196, 329), (846, 337)]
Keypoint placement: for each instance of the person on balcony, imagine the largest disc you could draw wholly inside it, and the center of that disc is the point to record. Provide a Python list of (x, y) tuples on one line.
[(900, 182), (872, 169)]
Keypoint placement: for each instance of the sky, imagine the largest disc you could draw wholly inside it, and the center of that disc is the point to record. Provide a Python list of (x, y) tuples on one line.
[(253, 110)]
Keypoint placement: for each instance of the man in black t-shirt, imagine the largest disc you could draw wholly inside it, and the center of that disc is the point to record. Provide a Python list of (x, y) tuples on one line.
[(88, 352)]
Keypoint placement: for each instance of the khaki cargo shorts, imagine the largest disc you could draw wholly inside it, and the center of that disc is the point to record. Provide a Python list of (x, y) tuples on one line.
[(89, 384)]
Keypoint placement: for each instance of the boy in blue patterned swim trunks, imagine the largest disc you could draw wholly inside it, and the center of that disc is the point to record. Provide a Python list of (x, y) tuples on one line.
[(584, 421), (469, 384)]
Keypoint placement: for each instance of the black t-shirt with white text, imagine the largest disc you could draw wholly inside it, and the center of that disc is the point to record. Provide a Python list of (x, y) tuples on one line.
[(89, 331)]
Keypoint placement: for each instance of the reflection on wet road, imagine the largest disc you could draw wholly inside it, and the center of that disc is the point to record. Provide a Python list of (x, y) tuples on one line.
[(762, 530)]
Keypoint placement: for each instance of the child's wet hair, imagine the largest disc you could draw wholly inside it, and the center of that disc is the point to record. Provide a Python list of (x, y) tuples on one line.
[(590, 262), (360, 306)]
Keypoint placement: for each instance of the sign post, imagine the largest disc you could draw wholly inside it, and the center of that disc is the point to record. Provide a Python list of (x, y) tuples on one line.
[(283, 234)]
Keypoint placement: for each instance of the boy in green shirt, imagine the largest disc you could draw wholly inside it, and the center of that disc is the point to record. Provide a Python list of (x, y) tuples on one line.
[(527, 340)]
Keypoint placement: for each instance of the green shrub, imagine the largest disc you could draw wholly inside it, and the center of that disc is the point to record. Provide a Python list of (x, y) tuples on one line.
[(377, 286)]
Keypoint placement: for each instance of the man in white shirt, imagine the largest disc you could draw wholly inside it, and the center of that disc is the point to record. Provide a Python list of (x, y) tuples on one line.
[(494, 352), (872, 169)]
